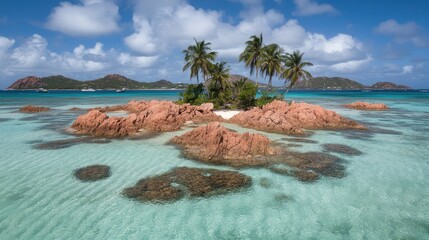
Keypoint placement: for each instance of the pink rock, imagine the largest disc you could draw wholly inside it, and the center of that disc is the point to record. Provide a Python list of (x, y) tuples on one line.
[(33, 109), (279, 117), (155, 116), (367, 106), (215, 144)]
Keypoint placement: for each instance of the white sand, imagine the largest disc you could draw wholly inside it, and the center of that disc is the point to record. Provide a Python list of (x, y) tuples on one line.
[(226, 114)]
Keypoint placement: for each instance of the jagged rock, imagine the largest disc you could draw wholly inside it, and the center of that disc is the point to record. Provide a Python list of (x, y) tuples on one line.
[(155, 116), (92, 173), (367, 106), (215, 144), (194, 182), (33, 109), (279, 117)]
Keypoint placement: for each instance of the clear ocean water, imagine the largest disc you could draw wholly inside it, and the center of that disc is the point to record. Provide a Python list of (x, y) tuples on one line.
[(385, 194)]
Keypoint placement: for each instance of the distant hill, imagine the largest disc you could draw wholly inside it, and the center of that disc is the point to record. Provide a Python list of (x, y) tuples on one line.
[(328, 83), (110, 81), (389, 85), (116, 81)]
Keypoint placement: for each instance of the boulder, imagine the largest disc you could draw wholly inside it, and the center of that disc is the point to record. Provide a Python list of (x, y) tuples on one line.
[(193, 182), (367, 106), (153, 116), (33, 109), (215, 144), (279, 117)]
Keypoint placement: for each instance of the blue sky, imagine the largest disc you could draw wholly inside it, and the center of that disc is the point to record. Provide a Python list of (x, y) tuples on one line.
[(368, 41)]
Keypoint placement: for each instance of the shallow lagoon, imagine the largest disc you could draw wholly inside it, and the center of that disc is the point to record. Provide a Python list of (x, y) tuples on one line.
[(384, 194)]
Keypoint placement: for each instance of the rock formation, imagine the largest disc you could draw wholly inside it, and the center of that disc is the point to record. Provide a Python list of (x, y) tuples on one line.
[(30, 82), (193, 182), (155, 116), (279, 117), (215, 144), (92, 173), (33, 109), (367, 106)]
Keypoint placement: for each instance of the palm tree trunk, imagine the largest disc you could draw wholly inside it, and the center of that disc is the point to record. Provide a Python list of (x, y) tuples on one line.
[(256, 80), (288, 89)]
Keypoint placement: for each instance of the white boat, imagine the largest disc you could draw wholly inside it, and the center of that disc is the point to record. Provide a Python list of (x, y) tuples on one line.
[(42, 90), (88, 90), (120, 90)]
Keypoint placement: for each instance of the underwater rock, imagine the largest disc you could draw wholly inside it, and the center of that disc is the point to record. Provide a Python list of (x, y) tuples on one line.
[(306, 176), (155, 116), (367, 106), (299, 140), (343, 149), (65, 143), (279, 117), (265, 182), (74, 109), (33, 109), (215, 144), (4, 119), (184, 181), (92, 173)]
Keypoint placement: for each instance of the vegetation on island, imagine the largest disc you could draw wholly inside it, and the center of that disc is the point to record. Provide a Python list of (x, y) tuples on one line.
[(268, 61)]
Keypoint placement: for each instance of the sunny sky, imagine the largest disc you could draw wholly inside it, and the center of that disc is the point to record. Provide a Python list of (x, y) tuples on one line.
[(365, 40)]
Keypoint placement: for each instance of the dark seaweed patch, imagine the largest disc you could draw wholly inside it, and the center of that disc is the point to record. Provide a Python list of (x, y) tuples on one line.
[(343, 149)]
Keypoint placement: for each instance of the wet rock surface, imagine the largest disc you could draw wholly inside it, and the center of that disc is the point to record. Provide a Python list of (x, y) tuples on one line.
[(184, 181), (33, 109), (92, 173), (156, 116), (215, 144), (343, 149), (280, 117), (367, 106)]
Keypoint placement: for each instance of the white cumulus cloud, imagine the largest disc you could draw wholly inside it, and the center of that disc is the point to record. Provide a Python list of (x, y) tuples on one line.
[(311, 7), (89, 18), (407, 69), (406, 32), (5, 44)]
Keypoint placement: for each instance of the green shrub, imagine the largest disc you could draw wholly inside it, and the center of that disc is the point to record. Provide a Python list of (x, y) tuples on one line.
[(267, 98), (246, 97), (194, 94)]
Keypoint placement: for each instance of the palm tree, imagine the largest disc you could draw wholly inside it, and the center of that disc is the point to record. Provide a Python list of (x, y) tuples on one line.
[(199, 59), (252, 54), (218, 79), (294, 71), (271, 62), (239, 85)]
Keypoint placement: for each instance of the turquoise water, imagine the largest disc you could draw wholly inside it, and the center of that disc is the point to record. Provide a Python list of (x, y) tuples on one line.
[(384, 195)]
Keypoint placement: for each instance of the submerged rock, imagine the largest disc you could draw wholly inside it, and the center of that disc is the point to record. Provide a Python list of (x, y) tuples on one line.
[(184, 181), (299, 140), (155, 116), (343, 149), (33, 109), (74, 109), (215, 144), (367, 106), (279, 117), (65, 143), (92, 173)]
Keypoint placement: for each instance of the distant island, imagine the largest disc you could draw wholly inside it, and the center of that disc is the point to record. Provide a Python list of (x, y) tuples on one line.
[(110, 81), (116, 81)]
